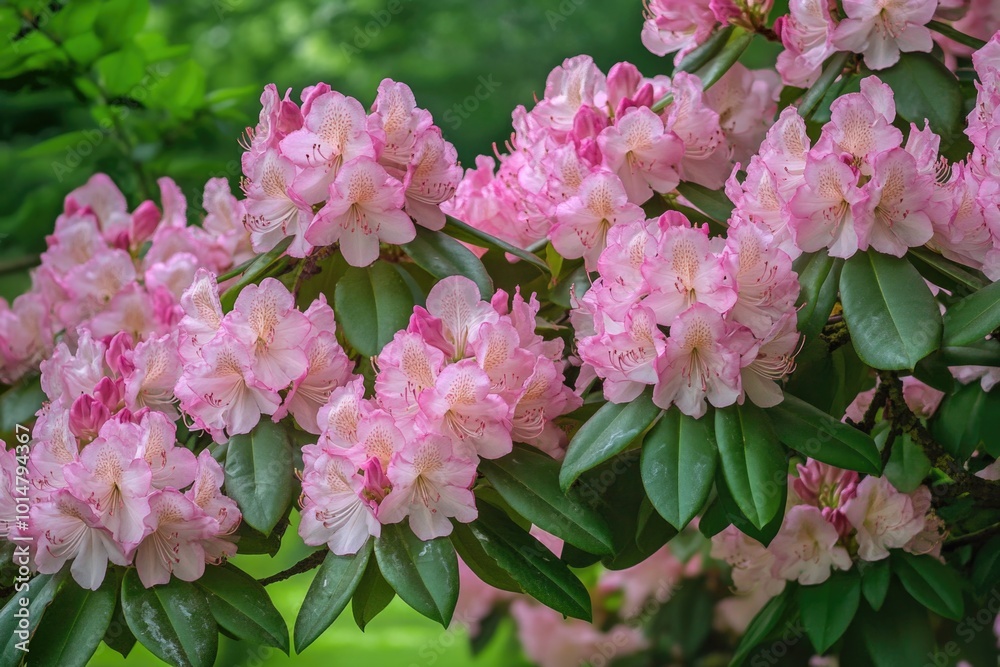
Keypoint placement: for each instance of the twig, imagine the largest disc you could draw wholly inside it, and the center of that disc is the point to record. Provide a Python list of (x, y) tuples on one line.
[(311, 561)]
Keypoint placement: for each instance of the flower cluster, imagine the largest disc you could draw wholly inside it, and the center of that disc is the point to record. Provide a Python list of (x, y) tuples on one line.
[(465, 380), (858, 187), (592, 151), (109, 270), (327, 172), (109, 482), (698, 318), (833, 518), (236, 365)]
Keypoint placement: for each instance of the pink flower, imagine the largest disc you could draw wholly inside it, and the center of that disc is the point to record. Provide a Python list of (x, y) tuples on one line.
[(644, 156), (677, 25), (897, 197), (67, 528), (333, 510), (378, 438), (806, 548), (265, 321), (156, 369), (861, 124), (461, 405), (431, 179), (430, 484), (823, 210), (363, 209), (684, 273), (696, 365), (883, 517), (115, 482), (807, 34), (173, 544), (396, 115), (274, 210), (203, 312), (169, 465), (626, 359), (582, 222), (880, 30), (407, 367), (752, 563), (222, 392), (338, 419)]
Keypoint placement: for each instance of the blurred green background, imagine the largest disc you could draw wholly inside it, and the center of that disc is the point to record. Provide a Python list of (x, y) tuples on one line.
[(141, 90)]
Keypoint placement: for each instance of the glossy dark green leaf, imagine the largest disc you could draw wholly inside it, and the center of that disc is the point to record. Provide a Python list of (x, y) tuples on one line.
[(372, 304), (945, 273), (763, 624), (908, 466), (875, 578), (725, 511), (828, 608), (536, 569), (423, 574), (931, 583), (819, 276), (441, 256), (816, 434), (898, 634), (679, 458), (331, 589), (173, 621), (972, 318), (242, 607), (528, 481), (924, 88), (892, 316), (712, 203), (471, 551), (965, 419), (464, 232), (753, 461), (74, 624), (40, 592), (986, 569), (118, 636), (608, 432), (260, 474), (372, 595)]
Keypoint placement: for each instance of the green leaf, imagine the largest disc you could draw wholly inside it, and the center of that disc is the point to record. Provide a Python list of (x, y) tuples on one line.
[(260, 474), (605, 434), (899, 634), (441, 256), (335, 582), (118, 636), (815, 433), (678, 466), (908, 466), (173, 621), (119, 20), (713, 203), (819, 275), (972, 318), (120, 71), (485, 566), (715, 69), (253, 271), (924, 88), (372, 304), (536, 569), (40, 592), (945, 273), (74, 624), (753, 461), (766, 621), (423, 574), (725, 511), (832, 70), (372, 595), (875, 578), (242, 607), (464, 232), (892, 316), (986, 569), (931, 583), (180, 92), (705, 51), (828, 608), (965, 419), (528, 481)]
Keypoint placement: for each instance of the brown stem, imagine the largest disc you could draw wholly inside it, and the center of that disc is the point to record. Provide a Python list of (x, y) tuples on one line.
[(310, 562)]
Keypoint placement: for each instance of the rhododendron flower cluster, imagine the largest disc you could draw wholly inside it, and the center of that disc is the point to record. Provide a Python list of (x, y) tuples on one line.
[(237, 365), (833, 519), (858, 187), (328, 172), (465, 380), (109, 482), (592, 151), (110, 270), (699, 318)]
